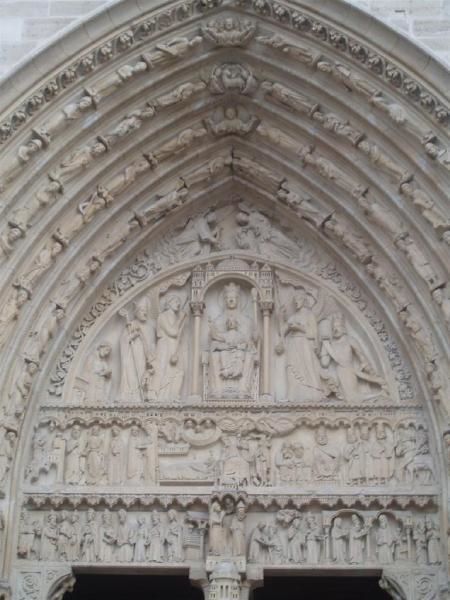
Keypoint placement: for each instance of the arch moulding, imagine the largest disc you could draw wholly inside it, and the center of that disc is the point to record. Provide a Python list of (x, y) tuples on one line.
[(225, 301)]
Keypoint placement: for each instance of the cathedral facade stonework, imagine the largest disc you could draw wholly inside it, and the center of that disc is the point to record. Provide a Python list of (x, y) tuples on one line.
[(225, 302)]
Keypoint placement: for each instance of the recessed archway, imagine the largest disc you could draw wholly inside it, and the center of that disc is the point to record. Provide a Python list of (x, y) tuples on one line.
[(283, 152), (341, 587), (139, 587)]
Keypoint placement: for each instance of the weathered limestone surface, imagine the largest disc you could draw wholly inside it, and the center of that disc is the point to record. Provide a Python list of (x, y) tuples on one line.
[(225, 301), (27, 25)]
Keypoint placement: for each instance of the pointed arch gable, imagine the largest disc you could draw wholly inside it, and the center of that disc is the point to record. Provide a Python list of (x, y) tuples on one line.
[(115, 138)]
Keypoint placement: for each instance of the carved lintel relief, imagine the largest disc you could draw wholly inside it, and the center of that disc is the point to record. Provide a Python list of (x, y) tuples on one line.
[(237, 381), (233, 529), (256, 451)]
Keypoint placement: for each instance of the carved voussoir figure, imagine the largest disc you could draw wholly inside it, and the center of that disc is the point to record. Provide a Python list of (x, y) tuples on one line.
[(68, 114), (232, 77), (7, 446), (44, 260), (164, 204), (275, 136), (21, 391), (437, 217), (174, 49), (306, 207), (289, 98), (300, 53), (354, 242), (232, 120), (419, 261), (350, 79), (25, 153), (180, 94), (79, 160), (213, 168), (11, 310), (441, 296), (18, 224), (178, 144), (229, 32), (128, 125)]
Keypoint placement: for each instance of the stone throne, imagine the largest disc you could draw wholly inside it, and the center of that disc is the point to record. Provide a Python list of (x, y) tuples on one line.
[(231, 303)]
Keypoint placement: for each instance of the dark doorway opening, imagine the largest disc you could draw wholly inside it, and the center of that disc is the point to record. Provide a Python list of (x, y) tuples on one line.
[(133, 587), (320, 588)]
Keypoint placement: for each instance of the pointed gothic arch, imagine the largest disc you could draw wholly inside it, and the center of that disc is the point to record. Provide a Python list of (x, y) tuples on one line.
[(320, 139)]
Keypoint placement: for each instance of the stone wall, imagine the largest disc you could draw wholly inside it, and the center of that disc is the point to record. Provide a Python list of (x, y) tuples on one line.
[(25, 25)]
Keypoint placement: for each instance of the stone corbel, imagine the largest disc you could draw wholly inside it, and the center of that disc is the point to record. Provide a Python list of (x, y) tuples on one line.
[(254, 579), (199, 579), (390, 584), (57, 583), (5, 590)]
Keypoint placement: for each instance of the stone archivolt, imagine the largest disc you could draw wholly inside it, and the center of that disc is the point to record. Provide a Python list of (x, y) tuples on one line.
[(222, 297)]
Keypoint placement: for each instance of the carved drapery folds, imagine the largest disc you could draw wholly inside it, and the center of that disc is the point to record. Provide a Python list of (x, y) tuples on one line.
[(228, 295), (254, 332)]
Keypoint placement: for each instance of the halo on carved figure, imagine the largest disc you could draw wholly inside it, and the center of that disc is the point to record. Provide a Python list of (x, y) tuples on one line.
[(236, 277)]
